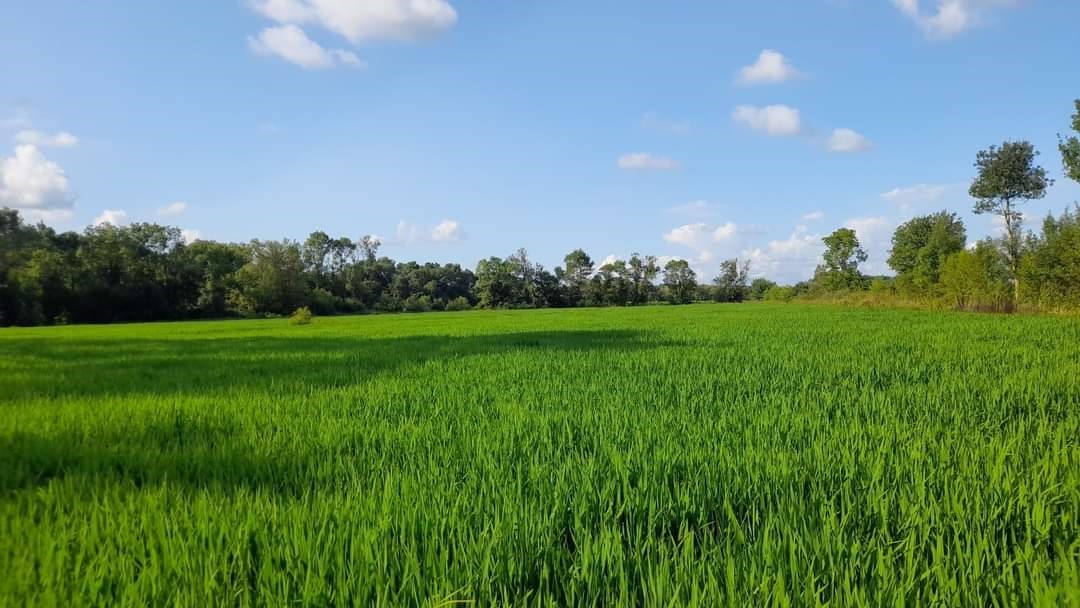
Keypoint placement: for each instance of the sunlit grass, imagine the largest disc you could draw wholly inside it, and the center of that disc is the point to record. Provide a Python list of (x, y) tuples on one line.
[(704, 455)]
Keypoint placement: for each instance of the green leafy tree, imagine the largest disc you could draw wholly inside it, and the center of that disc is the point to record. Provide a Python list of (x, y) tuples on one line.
[(1070, 147), (680, 282), (759, 287), (920, 245), (1050, 272), (976, 278), (497, 284), (273, 281), (730, 284), (840, 268), (1007, 177), (578, 269), (642, 272)]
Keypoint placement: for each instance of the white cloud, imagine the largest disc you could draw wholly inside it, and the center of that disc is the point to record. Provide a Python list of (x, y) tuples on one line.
[(63, 139), (190, 236), (447, 230), (916, 196), (771, 67), (776, 120), (725, 231), (28, 181), (610, 259), (640, 161), (950, 17), (787, 260), (291, 44), (698, 208), (361, 20), (655, 122), (846, 140), (694, 236), (706, 241), (173, 208), (814, 216), (116, 217), (875, 237)]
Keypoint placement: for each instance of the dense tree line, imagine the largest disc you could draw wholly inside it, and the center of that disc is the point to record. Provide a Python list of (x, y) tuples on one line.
[(147, 272)]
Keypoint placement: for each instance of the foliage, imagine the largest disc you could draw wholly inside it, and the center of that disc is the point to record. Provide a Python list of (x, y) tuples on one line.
[(301, 316), (976, 279), (694, 455), (680, 282), (1050, 272), (840, 262), (730, 284), (920, 245), (759, 287), (1070, 148), (1008, 176), (459, 303)]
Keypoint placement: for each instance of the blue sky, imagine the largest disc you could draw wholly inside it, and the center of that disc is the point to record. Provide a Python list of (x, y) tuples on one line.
[(459, 129)]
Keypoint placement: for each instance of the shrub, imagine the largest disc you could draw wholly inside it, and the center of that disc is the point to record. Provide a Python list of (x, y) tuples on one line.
[(302, 316), (458, 303), (417, 304), (779, 293)]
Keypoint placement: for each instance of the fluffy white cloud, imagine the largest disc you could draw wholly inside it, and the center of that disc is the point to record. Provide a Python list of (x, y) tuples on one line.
[(173, 209), (706, 241), (725, 231), (641, 161), (116, 217), (814, 216), (787, 260), (190, 236), (776, 120), (447, 230), (694, 236), (655, 122), (360, 20), (950, 17), (63, 139), (290, 43), (846, 140), (875, 237), (917, 195), (29, 181), (771, 67), (698, 208), (610, 259)]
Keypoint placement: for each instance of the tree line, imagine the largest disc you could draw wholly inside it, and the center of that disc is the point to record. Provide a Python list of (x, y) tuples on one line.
[(934, 264), (145, 272)]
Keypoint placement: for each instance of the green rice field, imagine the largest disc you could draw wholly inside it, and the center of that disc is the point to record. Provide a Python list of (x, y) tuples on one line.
[(706, 455)]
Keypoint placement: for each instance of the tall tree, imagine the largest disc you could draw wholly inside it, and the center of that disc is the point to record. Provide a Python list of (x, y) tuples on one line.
[(1008, 176), (680, 282), (642, 273), (730, 284), (576, 274), (840, 268), (1070, 147), (921, 244)]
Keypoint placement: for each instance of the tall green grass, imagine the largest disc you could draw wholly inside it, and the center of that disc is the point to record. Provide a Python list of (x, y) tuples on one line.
[(703, 455)]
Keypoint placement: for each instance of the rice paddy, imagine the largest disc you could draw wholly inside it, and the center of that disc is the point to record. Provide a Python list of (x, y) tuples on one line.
[(700, 455)]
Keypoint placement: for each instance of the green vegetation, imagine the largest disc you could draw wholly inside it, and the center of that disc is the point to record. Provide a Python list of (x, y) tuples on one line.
[(693, 455)]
